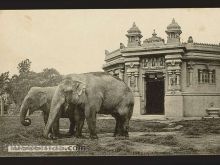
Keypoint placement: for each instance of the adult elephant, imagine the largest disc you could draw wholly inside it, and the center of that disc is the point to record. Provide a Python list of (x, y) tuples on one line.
[(39, 98), (92, 93)]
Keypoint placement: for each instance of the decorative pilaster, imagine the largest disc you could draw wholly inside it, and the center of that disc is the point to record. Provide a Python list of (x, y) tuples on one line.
[(169, 78), (143, 97), (190, 73), (129, 79), (173, 96), (200, 76), (132, 71), (178, 79), (136, 81), (143, 86), (174, 72), (210, 76)]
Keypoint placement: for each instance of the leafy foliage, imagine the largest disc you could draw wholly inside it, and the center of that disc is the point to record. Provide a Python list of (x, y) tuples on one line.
[(24, 66), (19, 85), (4, 81)]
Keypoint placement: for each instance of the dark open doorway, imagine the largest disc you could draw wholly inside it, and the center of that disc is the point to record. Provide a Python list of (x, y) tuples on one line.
[(155, 96)]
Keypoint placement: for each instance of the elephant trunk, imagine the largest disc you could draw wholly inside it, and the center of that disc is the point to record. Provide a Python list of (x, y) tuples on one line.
[(23, 112)]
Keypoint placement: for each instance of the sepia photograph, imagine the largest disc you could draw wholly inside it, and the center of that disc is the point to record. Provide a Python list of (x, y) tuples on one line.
[(110, 82)]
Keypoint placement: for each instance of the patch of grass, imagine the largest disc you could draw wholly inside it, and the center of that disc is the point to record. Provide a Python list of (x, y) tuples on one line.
[(12, 132), (168, 140), (215, 150), (192, 131), (185, 149), (199, 127)]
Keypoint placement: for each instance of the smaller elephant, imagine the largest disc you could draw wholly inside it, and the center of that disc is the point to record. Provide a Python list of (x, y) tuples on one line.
[(39, 98)]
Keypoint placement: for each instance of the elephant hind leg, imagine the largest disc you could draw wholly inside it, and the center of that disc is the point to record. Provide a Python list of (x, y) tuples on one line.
[(125, 127), (124, 118), (117, 131)]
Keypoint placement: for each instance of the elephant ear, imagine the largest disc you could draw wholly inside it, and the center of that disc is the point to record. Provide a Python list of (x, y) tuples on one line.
[(42, 99), (80, 87)]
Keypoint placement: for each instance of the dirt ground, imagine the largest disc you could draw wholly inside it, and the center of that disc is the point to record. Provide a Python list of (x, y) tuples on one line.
[(147, 137)]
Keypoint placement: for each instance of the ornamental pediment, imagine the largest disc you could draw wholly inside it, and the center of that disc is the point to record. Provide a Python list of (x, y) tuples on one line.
[(153, 63), (153, 41)]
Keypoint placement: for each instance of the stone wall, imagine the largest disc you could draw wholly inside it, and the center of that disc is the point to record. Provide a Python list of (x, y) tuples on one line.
[(196, 105)]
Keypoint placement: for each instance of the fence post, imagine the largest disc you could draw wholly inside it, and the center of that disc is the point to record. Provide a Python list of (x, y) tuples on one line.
[(2, 106)]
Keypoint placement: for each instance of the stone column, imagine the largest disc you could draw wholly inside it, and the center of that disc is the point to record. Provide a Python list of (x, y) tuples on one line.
[(178, 79), (190, 72), (136, 82), (129, 78), (200, 76), (143, 94), (169, 78), (210, 76), (143, 86)]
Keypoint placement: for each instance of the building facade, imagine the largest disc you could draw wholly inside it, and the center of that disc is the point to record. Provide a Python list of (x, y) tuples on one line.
[(169, 78)]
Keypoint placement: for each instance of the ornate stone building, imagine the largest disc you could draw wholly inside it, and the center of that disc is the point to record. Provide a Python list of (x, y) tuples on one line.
[(169, 78)]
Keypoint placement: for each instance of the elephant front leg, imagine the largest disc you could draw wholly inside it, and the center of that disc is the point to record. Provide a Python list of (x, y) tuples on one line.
[(79, 127), (45, 115), (52, 119), (71, 131), (72, 128), (91, 121), (116, 128)]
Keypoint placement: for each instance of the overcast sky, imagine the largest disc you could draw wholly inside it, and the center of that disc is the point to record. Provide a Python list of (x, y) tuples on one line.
[(73, 41)]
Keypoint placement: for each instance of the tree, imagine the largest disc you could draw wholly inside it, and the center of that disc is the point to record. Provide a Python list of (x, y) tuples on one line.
[(4, 81), (50, 77), (24, 66), (21, 84)]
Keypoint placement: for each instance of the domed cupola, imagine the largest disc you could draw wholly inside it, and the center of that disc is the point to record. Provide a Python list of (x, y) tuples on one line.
[(134, 36), (153, 41), (173, 26), (173, 33)]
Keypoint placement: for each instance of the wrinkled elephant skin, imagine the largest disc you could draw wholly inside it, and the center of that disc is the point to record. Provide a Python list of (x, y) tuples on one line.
[(92, 93)]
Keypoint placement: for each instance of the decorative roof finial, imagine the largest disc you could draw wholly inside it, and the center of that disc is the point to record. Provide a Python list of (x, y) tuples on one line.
[(173, 21), (122, 46), (106, 52), (134, 25), (190, 39), (154, 33)]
